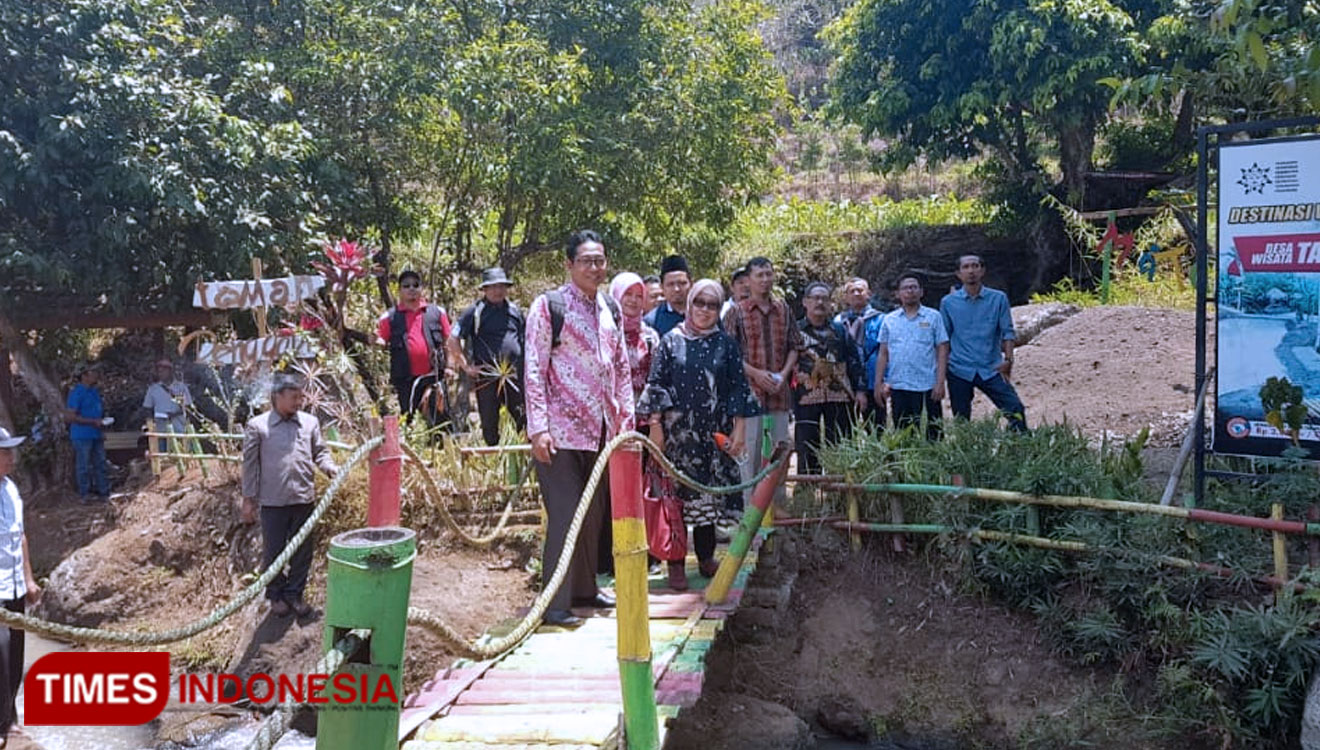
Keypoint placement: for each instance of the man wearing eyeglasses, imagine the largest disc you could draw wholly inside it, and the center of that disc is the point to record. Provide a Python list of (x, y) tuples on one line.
[(829, 381), (579, 395), (415, 332)]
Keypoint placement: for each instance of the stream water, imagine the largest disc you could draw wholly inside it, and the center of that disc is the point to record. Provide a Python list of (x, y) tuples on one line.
[(129, 738)]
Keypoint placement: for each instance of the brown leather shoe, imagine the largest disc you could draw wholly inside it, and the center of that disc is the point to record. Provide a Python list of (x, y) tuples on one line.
[(678, 576)]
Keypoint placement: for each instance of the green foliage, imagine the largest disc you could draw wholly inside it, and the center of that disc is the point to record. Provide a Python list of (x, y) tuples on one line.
[(1127, 288), (125, 172), (1010, 77), (1283, 405)]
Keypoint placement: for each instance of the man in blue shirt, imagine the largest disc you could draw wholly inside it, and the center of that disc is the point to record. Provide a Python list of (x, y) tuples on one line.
[(675, 282), (86, 418), (912, 359), (980, 325)]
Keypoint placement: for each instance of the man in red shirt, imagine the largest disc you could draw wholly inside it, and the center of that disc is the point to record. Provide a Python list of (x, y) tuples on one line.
[(415, 332)]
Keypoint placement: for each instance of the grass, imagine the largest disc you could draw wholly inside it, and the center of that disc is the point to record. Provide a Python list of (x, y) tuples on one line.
[(1128, 289)]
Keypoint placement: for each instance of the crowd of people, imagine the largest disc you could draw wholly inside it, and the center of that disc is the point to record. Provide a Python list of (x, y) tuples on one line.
[(707, 373)]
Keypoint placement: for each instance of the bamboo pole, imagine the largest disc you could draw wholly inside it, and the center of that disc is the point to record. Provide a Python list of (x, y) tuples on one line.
[(718, 588), (1280, 544), (641, 724), (854, 515), (151, 448), (1072, 501), (1189, 441)]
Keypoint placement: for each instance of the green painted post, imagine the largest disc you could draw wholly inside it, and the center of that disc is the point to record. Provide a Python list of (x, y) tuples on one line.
[(368, 579)]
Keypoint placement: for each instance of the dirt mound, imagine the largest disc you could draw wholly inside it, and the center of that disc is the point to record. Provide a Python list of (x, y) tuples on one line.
[(883, 646), (1112, 368)]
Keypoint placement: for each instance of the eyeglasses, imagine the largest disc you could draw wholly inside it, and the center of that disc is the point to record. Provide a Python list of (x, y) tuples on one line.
[(706, 304), (597, 262)]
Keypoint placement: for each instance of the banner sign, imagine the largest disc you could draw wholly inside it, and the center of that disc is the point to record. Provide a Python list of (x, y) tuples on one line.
[(248, 295), (1268, 289), (249, 351)]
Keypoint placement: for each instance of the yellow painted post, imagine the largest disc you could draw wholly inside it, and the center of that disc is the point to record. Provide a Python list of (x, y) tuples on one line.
[(640, 719), (1280, 547), (718, 588)]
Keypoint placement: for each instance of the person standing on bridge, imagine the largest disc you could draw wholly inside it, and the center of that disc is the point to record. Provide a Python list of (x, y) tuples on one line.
[(696, 389), (282, 449), (18, 587), (676, 282), (980, 326), (829, 381), (579, 395)]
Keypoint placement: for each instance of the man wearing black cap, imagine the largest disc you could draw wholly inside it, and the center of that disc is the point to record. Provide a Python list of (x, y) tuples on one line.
[(488, 346), (282, 448), (675, 281), (416, 333), (18, 587)]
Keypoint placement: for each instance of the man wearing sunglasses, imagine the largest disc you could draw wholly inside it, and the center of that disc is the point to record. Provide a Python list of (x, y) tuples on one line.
[(415, 332)]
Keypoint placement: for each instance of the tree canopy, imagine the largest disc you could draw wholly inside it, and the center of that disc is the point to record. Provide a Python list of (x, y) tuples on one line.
[(147, 143)]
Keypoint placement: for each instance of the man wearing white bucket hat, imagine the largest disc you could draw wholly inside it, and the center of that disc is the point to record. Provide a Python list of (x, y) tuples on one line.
[(17, 584)]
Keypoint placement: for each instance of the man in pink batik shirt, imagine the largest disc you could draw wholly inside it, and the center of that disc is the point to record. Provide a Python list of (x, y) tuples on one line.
[(579, 395)]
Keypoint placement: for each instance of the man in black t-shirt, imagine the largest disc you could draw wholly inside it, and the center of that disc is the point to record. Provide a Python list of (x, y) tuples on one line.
[(489, 347)]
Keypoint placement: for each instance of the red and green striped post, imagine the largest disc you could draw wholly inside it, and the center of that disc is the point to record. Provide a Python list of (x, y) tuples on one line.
[(718, 588), (640, 722)]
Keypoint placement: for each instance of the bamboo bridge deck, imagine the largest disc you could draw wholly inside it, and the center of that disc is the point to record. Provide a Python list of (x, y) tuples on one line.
[(560, 688)]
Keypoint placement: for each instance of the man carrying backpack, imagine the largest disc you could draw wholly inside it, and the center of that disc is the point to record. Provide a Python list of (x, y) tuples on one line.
[(415, 332), (579, 395), (490, 350)]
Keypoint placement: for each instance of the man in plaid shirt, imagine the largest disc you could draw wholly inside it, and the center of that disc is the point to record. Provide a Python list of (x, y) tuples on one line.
[(770, 341)]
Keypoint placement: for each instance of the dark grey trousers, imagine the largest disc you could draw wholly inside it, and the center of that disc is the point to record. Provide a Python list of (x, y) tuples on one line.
[(11, 668), (278, 525), (562, 482)]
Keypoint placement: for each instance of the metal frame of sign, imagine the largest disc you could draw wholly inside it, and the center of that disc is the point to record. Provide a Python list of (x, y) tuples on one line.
[(1209, 141)]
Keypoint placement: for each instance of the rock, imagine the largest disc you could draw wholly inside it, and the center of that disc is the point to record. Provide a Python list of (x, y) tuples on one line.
[(1030, 320), (1310, 739), (843, 717), (742, 723)]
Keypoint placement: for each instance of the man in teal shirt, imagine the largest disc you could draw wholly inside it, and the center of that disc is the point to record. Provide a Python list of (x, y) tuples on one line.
[(86, 418), (980, 326)]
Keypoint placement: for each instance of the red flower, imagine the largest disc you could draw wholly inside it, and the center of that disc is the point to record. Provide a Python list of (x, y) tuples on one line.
[(348, 261)]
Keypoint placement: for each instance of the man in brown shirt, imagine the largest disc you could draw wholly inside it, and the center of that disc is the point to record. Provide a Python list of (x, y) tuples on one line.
[(770, 341), (282, 449)]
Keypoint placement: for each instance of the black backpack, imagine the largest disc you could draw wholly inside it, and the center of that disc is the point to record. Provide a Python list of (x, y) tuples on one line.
[(480, 307), (554, 299)]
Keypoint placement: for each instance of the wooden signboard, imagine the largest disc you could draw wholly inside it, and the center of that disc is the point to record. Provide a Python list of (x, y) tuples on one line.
[(256, 293), (265, 349)]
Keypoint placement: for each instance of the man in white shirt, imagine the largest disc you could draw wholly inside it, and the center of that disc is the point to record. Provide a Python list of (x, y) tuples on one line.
[(17, 584), (912, 360)]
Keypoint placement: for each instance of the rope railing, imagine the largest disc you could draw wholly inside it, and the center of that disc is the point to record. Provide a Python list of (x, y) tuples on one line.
[(275, 726), (85, 635), (530, 621)]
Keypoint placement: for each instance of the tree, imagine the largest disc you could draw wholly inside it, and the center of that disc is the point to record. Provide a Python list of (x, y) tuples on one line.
[(949, 79)]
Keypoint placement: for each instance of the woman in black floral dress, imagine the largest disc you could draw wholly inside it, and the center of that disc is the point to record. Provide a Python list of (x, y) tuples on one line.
[(697, 388)]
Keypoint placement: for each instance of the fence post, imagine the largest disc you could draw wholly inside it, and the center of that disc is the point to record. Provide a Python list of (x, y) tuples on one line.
[(1280, 549), (368, 580), (641, 726), (718, 588), (151, 448), (854, 515), (386, 472)]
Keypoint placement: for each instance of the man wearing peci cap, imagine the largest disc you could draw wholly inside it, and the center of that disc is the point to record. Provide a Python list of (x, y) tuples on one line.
[(86, 419), (488, 346), (675, 282), (18, 587), (282, 448)]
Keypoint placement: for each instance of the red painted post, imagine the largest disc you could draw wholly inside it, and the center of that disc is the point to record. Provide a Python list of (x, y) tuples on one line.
[(386, 473)]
